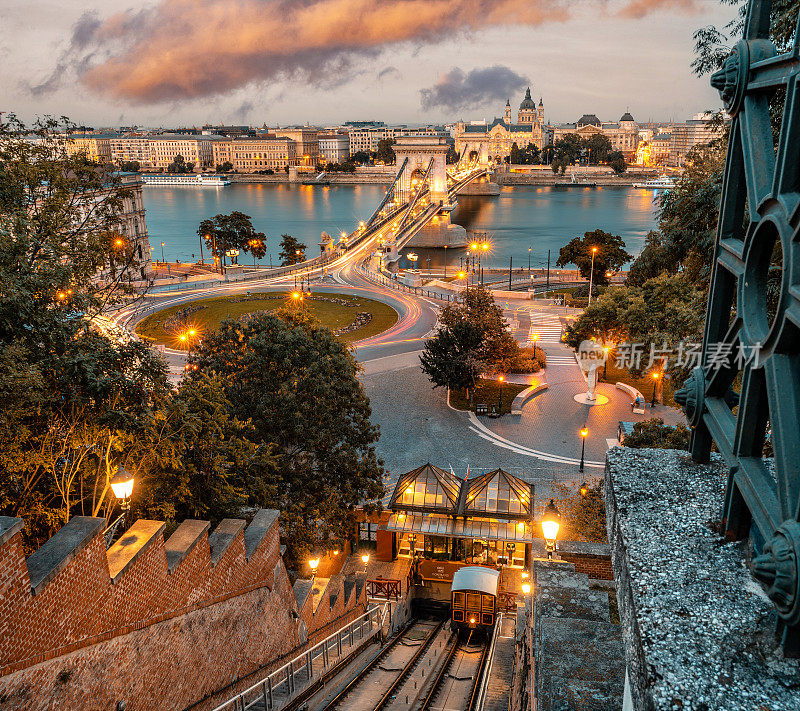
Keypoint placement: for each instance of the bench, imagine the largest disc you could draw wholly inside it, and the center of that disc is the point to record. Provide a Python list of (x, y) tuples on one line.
[(524, 396), (635, 395)]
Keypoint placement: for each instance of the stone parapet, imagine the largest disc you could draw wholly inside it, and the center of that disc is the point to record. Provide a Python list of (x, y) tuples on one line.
[(698, 629)]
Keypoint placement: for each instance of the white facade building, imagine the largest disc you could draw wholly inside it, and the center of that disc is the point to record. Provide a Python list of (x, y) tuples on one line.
[(334, 147)]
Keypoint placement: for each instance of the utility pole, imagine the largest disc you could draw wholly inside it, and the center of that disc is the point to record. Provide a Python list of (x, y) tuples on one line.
[(547, 286), (510, 265)]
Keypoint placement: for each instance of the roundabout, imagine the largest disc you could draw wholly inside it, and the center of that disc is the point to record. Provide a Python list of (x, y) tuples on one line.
[(351, 317)]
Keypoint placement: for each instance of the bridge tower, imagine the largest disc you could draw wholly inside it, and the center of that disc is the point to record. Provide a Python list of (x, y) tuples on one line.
[(420, 150)]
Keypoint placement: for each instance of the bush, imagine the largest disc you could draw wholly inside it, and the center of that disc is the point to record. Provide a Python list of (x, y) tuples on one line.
[(654, 434), (526, 362), (583, 518)]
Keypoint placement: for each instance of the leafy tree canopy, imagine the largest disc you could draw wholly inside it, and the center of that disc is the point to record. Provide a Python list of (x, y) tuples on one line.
[(451, 359), (609, 254), (233, 231), (292, 251), (385, 153), (296, 386)]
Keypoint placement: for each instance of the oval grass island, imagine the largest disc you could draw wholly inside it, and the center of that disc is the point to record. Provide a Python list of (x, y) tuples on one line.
[(351, 318)]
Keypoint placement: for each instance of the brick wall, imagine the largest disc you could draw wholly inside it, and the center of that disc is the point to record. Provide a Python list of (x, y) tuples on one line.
[(152, 623), (595, 566)]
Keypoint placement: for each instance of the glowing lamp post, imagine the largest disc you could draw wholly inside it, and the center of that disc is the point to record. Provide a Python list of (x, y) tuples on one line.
[(584, 434), (500, 379), (534, 338), (365, 560), (122, 486), (591, 274), (656, 376), (526, 588), (551, 521), (313, 563)]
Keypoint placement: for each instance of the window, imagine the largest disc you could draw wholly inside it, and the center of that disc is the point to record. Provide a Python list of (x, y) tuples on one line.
[(458, 599), (473, 601)]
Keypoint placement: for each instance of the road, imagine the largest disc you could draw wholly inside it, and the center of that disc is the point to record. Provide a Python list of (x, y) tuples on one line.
[(417, 424)]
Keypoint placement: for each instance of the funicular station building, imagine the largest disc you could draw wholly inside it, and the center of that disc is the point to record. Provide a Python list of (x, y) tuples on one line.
[(441, 522)]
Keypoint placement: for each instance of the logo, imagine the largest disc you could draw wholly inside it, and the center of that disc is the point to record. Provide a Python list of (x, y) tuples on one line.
[(590, 354)]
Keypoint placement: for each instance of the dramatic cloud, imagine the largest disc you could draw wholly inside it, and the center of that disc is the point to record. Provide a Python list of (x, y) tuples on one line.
[(456, 90), (640, 8), (388, 72), (184, 49)]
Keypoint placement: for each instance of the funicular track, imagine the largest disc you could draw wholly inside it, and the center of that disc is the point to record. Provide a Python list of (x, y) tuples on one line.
[(458, 680), (380, 681)]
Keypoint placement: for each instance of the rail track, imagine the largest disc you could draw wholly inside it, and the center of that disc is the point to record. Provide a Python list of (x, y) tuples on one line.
[(381, 681), (457, 682)]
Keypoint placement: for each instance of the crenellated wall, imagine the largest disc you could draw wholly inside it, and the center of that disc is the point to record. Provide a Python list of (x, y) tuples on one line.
[(150, 623)]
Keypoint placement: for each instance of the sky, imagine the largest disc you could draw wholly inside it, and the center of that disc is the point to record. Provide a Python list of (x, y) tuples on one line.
[(323, 62)]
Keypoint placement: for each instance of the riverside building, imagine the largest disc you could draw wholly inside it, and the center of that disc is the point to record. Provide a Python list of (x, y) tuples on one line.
[(493, 141), (248, 155), (623, 134)]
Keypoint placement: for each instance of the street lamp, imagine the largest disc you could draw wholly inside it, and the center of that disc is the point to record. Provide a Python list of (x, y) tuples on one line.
[(605, 362), (122, 486), (313, 563), (526, 588), (591, 274), (656, 376), (551, 521), (500, 378), (365, 560), (162, 253), (534, 338), (413, 259), (584, 435)]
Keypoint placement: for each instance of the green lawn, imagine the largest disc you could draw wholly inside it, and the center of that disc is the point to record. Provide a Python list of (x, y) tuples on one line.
[(487, 392), (206, 314)]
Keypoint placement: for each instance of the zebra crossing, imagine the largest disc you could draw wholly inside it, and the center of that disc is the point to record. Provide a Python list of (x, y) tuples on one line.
[(547, 327)]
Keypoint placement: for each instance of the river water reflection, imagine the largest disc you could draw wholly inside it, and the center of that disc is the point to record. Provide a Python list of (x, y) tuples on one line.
[(522, 217)]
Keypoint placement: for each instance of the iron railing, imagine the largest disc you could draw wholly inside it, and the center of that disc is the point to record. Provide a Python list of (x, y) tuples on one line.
[(282, 685)]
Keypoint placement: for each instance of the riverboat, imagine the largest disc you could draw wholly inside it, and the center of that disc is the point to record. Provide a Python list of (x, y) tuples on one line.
[(662, 182), (203, 180)]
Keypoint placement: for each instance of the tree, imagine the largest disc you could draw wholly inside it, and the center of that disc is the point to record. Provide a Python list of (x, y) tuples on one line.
[(617, 162), (598, 148), (452, 155), (653, 260), (499, 349), (225, 167), (73, 399), (610, 254), (603, 319), (515, 154), (296, 385), (385, 154), (129, 166), (179, 165), (452, 358), (654, 434), (233, 231), (361, 157), (209, 464), (292, 251), (583, 516), (567, 149)]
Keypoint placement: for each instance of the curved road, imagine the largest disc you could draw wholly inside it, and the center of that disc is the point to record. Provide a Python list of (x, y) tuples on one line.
[(416, 422)]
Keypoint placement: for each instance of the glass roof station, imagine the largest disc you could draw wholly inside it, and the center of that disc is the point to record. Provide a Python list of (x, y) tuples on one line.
[(440, 516)]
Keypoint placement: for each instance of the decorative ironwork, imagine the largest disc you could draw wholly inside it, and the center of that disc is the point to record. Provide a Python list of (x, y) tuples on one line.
[(760, 209)]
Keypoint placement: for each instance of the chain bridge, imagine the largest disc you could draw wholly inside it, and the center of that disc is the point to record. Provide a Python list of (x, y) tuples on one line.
[(419, 201)]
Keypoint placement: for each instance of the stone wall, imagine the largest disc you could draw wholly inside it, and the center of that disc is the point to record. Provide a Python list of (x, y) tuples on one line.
[(699, 631), (149, 623)]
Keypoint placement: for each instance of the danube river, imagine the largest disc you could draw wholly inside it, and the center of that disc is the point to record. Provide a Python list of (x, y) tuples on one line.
[(520, 218)]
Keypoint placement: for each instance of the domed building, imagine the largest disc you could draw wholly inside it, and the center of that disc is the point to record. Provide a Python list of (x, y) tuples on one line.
[(493, 141), (623, 134)]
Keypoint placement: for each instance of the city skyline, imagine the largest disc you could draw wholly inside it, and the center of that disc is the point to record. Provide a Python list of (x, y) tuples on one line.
[(70, 59)]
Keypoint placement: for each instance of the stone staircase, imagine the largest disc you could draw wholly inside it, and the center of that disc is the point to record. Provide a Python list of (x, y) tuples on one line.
[(579, 655)]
